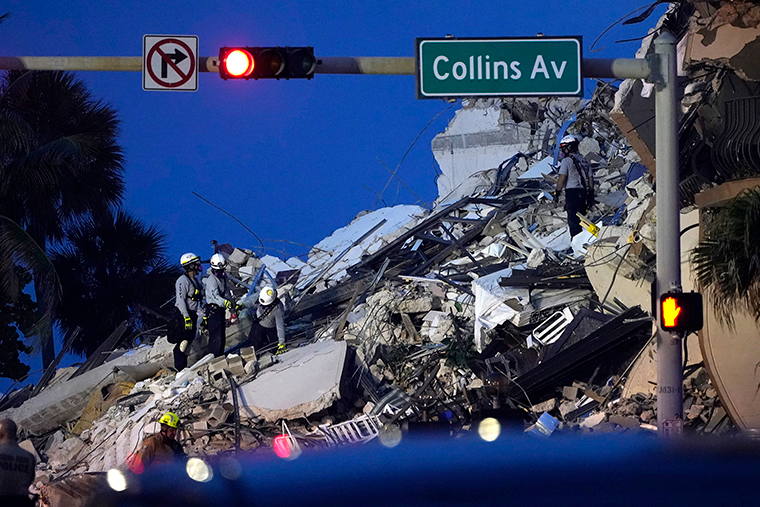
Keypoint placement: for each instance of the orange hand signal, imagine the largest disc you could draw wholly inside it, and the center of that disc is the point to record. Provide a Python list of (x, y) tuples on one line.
[(670, 312)]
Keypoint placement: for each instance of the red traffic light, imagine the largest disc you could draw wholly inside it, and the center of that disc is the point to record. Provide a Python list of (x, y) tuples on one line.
[(235, 63), (267, 62), (681, 311)]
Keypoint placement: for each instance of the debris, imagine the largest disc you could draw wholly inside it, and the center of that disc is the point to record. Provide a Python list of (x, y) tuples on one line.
[(439, 318)]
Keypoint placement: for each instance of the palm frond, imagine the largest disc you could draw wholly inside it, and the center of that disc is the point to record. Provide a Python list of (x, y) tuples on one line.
[(18, 249), (111, 267), (727, 260)]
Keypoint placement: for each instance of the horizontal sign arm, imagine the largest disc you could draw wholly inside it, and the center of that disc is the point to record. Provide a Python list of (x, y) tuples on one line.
[(617, 68)]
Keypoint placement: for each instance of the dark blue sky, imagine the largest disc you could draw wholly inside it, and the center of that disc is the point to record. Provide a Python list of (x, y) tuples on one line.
[(290, 159)]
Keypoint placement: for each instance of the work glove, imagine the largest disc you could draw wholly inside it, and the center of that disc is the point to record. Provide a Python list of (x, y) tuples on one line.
[(556, 194), (238, 306), (281, 349), (228, 304), (204, 323), (188, 323)]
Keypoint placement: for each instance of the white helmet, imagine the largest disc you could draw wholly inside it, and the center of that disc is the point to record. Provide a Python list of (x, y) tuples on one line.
[(218, 261), (267, 295), (568, 140), (188, 259)]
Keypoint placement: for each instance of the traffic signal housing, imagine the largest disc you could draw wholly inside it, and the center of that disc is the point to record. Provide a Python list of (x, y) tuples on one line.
[(681, 311), (267, 62)]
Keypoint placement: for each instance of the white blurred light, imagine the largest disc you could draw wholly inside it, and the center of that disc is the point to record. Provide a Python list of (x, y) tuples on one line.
[(116, 480), (489, 429), (199, 471), (390, 436)]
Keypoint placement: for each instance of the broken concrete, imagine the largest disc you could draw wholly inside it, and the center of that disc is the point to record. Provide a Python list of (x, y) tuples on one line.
[(305, 381), (65, 401)]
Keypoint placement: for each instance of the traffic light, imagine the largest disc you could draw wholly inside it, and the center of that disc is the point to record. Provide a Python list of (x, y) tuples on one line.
[(267, 63), (681, 311)]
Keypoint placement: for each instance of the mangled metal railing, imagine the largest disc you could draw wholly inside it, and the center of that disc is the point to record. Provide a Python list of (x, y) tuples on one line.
[(359, 430), (736, 151)]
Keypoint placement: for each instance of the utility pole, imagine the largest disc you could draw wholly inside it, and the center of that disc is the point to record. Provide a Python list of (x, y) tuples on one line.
[(659, 68)]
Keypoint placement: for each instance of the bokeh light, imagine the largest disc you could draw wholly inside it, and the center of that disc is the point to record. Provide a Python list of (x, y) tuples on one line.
[(199, 471), (489, 429), (390, 436), (230, 468), (116, 480)]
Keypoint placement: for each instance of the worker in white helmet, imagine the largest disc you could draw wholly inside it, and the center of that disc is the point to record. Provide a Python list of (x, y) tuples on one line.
[(188, 303), (268, 323), (218, 299), (576, 178)]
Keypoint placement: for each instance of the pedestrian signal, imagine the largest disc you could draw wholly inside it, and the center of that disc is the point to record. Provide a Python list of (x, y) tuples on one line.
[(681, 311)]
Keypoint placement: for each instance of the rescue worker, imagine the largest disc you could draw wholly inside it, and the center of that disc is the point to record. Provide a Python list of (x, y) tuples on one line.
[(158, 448), (576, 178), (189, 302), (16, 468), (218, 299), (268, 324)]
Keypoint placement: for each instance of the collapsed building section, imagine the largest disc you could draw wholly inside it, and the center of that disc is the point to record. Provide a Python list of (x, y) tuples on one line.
[(481, 307)]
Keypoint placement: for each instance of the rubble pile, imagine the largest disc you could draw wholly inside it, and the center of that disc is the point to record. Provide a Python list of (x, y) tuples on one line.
[(480, 307), (435, 319)]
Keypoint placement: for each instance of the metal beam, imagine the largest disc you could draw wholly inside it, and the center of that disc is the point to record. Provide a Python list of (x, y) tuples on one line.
[(618, 68)]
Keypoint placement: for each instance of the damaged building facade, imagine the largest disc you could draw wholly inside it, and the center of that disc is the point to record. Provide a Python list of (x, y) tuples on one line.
[(483, 307)]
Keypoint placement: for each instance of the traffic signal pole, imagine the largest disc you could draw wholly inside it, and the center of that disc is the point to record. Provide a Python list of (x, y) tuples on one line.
[(669, 345), (659, 68)]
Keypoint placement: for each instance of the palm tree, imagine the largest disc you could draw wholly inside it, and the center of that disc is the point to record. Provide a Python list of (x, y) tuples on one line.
[(727, 259), (111, 269), (59, 160), (20, 257)]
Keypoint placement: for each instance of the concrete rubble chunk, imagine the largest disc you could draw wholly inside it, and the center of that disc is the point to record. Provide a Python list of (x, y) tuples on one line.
[(419, 304), (593, 420), (65, 401), (545, 406), (305, 381), (570, 392)]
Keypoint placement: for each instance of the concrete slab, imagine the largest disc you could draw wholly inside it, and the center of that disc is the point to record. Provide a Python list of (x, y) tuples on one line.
[(306, 380), (63, 402)]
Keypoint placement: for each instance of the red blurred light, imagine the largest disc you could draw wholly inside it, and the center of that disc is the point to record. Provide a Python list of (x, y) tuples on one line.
[(238, 63), (281, 446)]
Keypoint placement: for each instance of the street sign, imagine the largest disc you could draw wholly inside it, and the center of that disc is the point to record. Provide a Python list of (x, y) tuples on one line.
[(170, 62), (498, 67)]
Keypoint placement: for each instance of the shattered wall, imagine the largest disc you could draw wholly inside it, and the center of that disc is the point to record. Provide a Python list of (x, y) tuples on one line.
[(485, 133)]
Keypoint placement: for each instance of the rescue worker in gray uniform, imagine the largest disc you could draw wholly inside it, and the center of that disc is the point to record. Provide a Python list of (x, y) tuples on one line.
[(218, 299), (189, 302), (576, 178), (268, 324)]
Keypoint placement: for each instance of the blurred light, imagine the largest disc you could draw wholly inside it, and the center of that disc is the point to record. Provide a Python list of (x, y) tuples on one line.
[(282, 446), (199, 471), (489, 429), (116, 480), (230, 468), (390, 436)]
